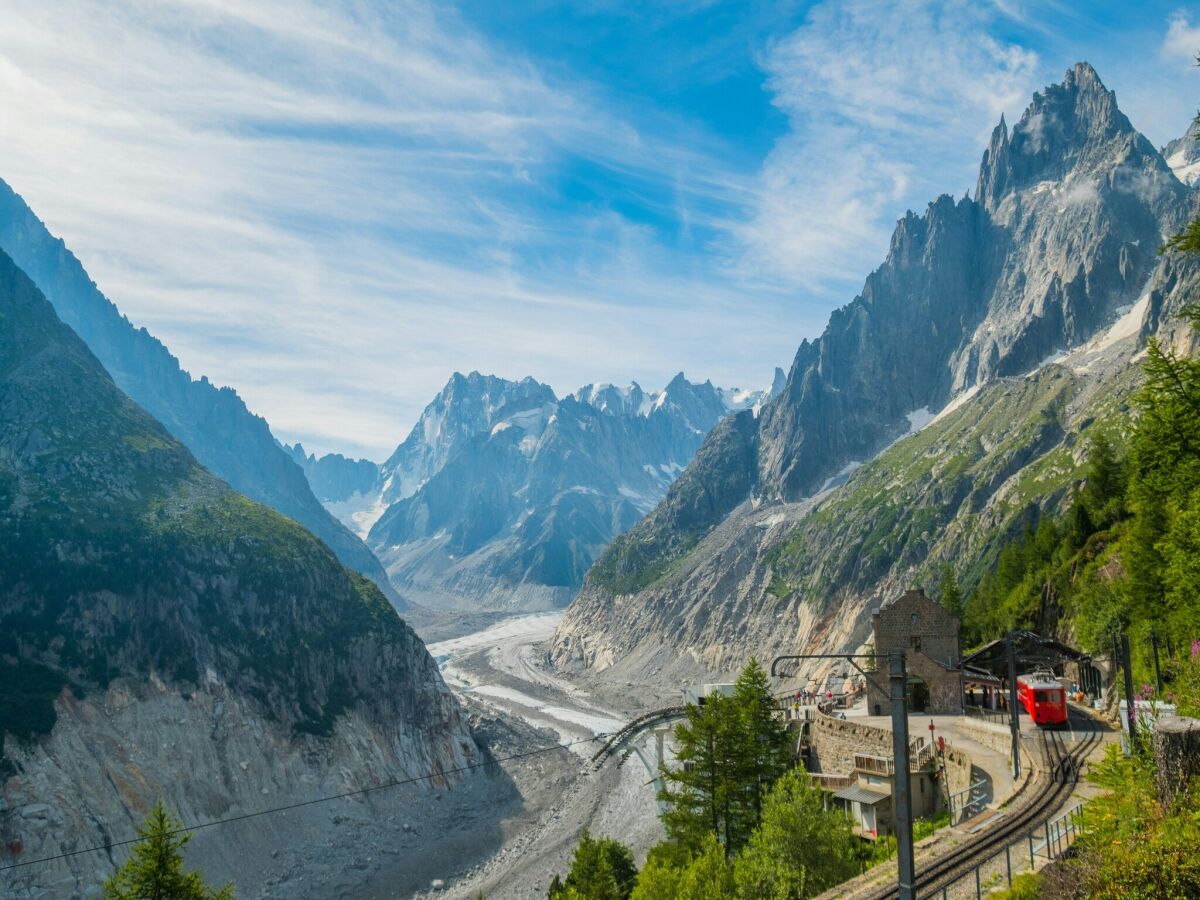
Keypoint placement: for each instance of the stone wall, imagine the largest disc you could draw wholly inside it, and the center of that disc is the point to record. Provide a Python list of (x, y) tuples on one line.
[(989, 734), (835, 741), (958, 770), (929, 637), (913, 622)]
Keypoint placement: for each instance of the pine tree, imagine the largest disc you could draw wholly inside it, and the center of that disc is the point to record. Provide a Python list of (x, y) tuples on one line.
[(764, 752), (601, 869), (154, 870), (732, 749), (800, 848), (1103, 493), (697, 792), (950, 595)]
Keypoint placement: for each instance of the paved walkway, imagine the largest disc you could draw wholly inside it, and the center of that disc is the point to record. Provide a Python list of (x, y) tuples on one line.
[(993, 765)]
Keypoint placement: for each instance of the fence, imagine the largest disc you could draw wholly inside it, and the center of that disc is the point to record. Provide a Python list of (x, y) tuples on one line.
[(999, 716), (1049, 840), (968, 802), (919, 757)]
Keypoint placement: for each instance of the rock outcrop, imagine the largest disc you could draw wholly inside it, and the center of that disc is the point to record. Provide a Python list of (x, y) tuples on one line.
[(164, 636), (1055, 254)]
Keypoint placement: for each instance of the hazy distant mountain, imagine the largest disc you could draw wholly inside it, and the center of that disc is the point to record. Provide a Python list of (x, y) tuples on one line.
[(212, 422), (503, 493), (756, 549), (162, 636)]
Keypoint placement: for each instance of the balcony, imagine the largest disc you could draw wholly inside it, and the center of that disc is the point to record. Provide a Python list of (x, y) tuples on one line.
[(874, 764)]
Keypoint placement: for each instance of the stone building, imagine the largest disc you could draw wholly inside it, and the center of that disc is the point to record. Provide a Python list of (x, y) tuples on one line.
[(929, 636)]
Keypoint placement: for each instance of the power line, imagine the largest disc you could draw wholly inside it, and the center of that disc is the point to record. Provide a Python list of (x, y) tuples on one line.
[(276, 809)]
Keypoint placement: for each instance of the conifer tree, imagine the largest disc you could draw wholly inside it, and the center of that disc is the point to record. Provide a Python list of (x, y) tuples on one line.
[(731, 750), (800, 847), (154, 870), (950, 595), (764, 752), (601, 869), (697, 792)]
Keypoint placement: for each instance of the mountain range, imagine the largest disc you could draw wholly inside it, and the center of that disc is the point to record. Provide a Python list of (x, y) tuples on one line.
[(503, 493), (162, 636), (941, 410)]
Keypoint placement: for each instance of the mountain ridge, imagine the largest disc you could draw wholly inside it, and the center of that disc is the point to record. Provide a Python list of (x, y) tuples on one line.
[(163, 636), (213, 422), (503, 492), (972, 292)]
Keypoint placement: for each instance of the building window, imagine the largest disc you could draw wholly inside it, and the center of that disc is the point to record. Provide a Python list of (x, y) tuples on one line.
[(915, 641)]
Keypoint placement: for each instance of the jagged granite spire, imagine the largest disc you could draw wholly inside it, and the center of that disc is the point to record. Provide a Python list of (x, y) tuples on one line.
[(1070, 206), (1072, 126)]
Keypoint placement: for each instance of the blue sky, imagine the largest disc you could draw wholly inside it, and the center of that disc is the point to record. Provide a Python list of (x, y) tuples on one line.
[(332, 206)]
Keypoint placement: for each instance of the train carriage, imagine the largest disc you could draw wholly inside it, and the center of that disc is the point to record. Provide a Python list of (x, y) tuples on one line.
[(1043, 697)]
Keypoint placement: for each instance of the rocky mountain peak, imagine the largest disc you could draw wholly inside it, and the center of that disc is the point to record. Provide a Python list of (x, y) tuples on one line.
[(1059, 241), (1074, 126)]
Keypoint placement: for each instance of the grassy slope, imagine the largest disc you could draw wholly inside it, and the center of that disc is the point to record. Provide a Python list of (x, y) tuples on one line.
[(120, 555), (956, 490)]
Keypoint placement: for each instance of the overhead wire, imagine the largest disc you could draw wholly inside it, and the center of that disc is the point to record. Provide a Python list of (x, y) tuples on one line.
[(278, 809)]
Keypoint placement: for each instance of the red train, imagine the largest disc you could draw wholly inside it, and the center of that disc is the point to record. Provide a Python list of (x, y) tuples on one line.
[(1043, 698)]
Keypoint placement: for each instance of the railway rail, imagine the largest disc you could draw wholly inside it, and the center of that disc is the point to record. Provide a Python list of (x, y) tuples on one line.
[(617, 740), (1058, 776)]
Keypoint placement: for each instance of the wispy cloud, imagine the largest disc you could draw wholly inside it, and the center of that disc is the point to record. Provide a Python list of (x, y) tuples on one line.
[(332, 205), (1182, 41), (889, 105)]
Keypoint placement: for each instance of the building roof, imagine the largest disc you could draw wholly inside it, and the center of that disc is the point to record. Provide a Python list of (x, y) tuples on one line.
[(1031, 650), (914, 593), (860, 794), (973, 675)]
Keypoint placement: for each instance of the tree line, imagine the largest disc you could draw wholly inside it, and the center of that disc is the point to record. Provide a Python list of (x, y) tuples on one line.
[(741, 819)]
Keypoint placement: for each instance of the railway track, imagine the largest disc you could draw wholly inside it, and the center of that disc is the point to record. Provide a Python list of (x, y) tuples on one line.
[(1060, 772), (614, 743)]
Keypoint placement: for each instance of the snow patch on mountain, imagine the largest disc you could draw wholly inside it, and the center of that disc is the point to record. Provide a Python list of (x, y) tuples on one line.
[(955, 403), (1128, 325), (1186, 168), (840, 477), (919, 418), (358, 512)]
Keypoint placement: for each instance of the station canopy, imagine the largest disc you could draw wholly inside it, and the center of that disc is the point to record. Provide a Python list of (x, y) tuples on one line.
[(1032, 651)]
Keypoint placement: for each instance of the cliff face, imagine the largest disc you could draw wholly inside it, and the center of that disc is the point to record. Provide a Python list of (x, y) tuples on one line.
[(161, 635), (1059, 242), (504, 493), (1069, 211), (213, 423)]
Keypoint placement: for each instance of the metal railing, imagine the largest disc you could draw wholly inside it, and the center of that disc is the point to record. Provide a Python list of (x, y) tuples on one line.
[(999, 716), (969, 801), (1049, 840), (831, 782), (877, 764)]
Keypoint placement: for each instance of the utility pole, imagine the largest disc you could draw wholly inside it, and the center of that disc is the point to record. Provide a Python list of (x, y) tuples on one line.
[(1013, 707), (1128, 689), (902, 786), (897, 691), (1157, 671)]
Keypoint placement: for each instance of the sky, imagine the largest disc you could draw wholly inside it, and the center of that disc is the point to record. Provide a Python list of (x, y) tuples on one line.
[(333, 206)]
